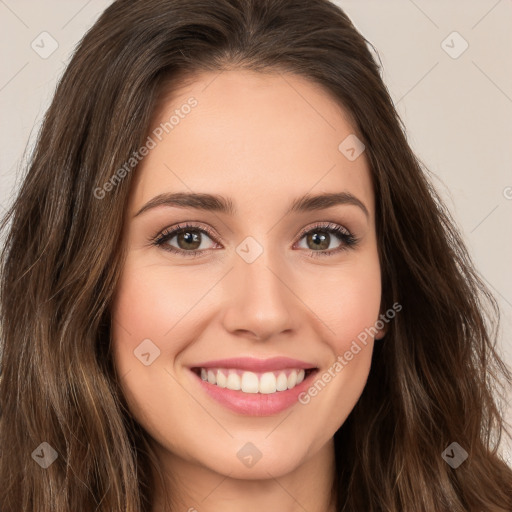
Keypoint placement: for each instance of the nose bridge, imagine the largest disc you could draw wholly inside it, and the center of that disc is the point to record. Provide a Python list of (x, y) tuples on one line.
[(259, 300), (259, 279)]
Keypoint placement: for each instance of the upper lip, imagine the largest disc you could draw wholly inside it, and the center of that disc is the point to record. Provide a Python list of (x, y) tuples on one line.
[(256, 365)]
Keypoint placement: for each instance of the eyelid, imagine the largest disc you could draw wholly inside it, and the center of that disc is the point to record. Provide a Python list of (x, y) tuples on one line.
[(348, 240), (322, 225), (196, 225), (337, 229)]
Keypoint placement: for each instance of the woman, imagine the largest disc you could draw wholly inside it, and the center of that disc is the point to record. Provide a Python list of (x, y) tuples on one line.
[(227, 283)]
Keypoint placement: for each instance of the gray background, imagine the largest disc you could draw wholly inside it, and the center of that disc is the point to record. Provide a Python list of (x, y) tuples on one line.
[(456, 104)]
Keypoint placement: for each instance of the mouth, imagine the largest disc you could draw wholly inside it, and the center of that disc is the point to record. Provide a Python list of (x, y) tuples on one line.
[(250, 382), (253, 393)]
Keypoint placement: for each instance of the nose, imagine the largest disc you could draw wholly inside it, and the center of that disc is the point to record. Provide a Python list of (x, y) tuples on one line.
[(259, 301)]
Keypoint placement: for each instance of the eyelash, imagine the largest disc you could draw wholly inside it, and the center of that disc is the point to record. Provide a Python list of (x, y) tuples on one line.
[(349, 241)]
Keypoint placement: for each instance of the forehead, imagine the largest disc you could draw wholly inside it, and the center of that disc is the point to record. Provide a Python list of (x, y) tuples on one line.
[(253, 136)]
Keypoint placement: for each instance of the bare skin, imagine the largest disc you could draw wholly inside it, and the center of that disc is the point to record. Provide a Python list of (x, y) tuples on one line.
[(261, 140)]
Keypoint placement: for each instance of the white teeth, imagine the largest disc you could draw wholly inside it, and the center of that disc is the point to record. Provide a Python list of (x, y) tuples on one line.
[(211, 377), (292, 379), (250, 382), (268, 383), (282, 382), (222, 380), (233, 382)]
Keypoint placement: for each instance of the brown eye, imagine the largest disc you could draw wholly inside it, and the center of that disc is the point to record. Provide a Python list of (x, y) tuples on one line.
[(189, 239), (185, 240), (318, 239)]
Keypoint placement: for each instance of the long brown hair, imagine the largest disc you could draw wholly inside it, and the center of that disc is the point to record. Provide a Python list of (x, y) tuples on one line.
[(436, 378)]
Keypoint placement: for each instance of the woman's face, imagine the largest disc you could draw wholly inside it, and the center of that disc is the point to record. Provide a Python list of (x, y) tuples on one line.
[(269, 281)]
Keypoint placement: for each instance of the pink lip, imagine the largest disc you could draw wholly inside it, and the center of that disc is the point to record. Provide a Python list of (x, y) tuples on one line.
[(256, 365), (254, 404)]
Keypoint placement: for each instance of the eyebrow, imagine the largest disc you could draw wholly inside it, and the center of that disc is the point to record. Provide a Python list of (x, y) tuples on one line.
[(221, 204)]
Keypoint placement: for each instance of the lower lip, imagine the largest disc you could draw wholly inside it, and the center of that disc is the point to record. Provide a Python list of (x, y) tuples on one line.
[(255, 404)]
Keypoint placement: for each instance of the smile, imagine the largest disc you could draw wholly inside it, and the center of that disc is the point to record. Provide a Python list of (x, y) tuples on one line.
[(251, 386), (253, 382)]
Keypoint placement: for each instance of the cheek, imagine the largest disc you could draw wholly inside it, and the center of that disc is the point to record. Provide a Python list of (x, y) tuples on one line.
[(356, 310), (147, 307), (346, 301), (347, 305), (152, 301), (144, 310), (337, 388)]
